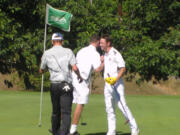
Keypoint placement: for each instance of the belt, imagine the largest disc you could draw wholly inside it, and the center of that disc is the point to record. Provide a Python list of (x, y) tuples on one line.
[(59, 82)]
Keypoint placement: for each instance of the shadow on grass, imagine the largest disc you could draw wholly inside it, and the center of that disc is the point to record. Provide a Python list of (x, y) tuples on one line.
[(104, 133)]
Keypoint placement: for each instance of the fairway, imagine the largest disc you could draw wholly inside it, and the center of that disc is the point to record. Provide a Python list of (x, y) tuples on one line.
[(155, 115)]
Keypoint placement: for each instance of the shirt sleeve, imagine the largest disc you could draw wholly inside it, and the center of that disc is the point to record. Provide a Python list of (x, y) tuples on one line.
[(120, 61), (43, 61), (96, 61), (72, 58)]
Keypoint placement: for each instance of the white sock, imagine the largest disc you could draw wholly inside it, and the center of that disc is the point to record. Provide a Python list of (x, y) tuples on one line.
[(73, 128)]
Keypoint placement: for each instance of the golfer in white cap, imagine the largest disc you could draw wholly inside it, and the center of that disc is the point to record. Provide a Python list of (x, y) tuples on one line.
[(60, 62)]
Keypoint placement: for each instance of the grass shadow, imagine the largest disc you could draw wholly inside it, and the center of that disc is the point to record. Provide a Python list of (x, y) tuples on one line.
[(104, 133)]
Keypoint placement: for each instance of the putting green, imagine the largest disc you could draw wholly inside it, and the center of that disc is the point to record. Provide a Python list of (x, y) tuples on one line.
[(155, 115)]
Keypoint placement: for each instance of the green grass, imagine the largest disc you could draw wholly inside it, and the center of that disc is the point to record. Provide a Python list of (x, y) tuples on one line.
[(155, 115)]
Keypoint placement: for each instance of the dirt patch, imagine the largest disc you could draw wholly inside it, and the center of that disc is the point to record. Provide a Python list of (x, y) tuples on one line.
[(9, 82), (169, 87)]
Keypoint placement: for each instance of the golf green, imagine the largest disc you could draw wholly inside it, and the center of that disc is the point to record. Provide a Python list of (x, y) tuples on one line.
[(155, 115)]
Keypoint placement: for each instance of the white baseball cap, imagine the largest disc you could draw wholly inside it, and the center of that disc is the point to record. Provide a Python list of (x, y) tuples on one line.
[(57, 36)]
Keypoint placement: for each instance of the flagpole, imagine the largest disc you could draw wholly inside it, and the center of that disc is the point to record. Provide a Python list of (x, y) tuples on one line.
[(42, 78), (64, 27)]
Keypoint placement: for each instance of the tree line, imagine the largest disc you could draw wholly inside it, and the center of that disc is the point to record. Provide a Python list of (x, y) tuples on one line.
[(146, 32)]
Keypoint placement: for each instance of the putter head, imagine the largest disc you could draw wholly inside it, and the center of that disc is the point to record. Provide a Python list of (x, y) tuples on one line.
[(83, 123), (39, 125), (127, 121)]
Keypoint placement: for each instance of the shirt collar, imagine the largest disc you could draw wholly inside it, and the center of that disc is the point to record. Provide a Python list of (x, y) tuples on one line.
[(93, 47), (110, 51), (56, 46)]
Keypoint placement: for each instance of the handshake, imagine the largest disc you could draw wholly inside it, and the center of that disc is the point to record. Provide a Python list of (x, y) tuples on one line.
[(111, 80)]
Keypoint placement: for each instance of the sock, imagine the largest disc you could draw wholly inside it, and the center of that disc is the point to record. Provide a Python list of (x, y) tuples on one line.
[(73, 128)]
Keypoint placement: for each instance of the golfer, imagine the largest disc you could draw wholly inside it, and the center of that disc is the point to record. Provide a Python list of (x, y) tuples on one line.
[(114, 68), (60, 62), (88, 59)]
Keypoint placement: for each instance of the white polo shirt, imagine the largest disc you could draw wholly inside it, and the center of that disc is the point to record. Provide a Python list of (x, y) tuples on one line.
[(87, 60), (113, 61)]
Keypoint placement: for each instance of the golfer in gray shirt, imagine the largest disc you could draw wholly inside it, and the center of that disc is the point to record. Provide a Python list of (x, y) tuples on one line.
[(60, 62)]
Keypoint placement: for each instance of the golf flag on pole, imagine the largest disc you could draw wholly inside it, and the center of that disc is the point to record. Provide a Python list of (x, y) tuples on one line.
[(58, 18)]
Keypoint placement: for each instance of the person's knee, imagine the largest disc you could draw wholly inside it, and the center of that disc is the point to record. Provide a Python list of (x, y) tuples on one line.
[(66, 110), (80, 105)]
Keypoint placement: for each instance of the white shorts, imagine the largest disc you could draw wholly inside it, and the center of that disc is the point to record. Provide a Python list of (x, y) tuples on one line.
[(80, 92)]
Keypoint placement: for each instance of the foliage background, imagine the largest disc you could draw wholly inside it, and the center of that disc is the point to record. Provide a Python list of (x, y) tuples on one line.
[(146, 32)]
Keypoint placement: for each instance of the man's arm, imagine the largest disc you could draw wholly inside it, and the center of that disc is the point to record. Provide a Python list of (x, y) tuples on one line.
[(112, 80), (43, 64), (76, 70), (121, 72), (101, 67)]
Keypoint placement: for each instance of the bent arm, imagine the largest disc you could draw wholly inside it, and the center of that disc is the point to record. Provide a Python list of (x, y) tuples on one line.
[(101, 67), (121, 72), (76, 70)]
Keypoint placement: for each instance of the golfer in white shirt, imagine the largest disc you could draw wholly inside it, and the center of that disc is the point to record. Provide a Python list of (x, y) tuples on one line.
[(88, 59), (114, 68)]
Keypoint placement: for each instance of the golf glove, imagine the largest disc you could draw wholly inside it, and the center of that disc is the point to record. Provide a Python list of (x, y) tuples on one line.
[(111, 80)]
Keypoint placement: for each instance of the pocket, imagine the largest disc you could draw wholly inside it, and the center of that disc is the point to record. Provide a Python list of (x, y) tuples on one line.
[(67, 87)]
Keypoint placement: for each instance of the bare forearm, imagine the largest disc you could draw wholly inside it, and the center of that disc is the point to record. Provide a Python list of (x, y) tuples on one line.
[(100, 68), (121, 72), (76, 70), (77, 73)]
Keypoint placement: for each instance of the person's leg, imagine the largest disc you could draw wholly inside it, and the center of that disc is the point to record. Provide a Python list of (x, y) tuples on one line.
[(110, 109), (77, 113), (76, 117), (55, 118), (124, 108), (80, 95), (66, 107)]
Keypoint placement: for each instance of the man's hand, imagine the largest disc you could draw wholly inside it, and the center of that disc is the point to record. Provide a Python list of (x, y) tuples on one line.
[(111, 80), (41, 71), (80, 79), (76, 70)]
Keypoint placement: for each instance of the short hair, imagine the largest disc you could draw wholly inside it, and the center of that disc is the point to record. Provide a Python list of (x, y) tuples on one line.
[(94, 38), (54, 41), (107, 38)]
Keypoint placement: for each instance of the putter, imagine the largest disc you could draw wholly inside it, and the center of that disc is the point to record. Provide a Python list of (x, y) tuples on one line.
[(41, 98)]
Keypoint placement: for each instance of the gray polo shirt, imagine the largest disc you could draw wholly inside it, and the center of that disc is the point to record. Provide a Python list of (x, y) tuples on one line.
[(59, 61)]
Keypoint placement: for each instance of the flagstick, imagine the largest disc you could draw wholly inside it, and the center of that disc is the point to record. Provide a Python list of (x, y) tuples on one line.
[(41, 101), (42, 79)]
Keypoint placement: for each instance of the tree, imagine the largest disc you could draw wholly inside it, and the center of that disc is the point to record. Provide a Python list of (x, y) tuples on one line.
[(155, 27), (21, 37), (145, 31)]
